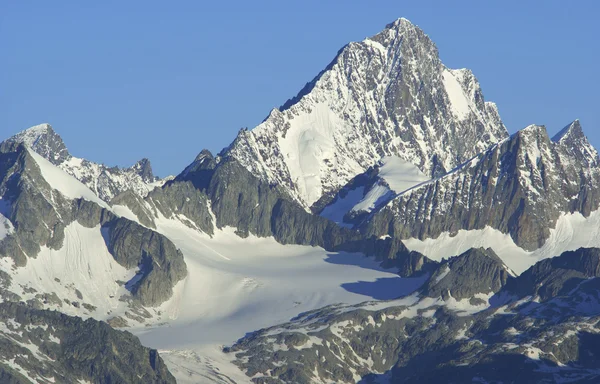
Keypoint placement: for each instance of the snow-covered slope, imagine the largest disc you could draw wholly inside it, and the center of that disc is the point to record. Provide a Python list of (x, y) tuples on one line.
[(106, 182), (394, 176), (81, 278), (61, 181), (389, 95), (238, 285)]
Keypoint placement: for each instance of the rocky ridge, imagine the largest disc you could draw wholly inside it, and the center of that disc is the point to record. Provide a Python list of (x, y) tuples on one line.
[(519, 186), (43, 346), (389, 95), (39, 218), (106, 182)]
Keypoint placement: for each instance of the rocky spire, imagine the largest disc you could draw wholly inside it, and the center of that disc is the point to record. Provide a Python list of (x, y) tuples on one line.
[(574, 141)]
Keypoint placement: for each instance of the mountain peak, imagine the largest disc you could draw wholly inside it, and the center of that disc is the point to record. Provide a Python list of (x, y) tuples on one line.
[(388, 95), (144, 169), (574, 141), (45, 141), (572, 130), (400, 23)]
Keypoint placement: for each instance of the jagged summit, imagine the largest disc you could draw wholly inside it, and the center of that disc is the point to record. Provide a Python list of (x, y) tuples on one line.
[(576, 143), (45, 141), (388, 95), (144, 169), (106, 182), (569, 131), (520, 187)]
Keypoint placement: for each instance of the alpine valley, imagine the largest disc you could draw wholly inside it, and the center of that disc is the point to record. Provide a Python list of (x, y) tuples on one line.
[(381, 226)]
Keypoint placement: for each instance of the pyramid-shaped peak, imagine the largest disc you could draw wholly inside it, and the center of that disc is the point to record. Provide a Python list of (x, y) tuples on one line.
[(571, 131), (45, 141), (402, 33), (30, 135), (572, 139)]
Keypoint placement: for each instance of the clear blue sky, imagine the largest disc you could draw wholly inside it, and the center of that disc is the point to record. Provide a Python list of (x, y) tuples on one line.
[(122, 80)]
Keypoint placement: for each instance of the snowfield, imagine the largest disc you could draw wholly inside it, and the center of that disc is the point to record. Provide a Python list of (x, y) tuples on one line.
[(395, 176), (236, 285), (63, 182), (82, 271)]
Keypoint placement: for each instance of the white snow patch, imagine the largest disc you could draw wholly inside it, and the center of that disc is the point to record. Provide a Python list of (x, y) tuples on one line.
[(572, 231), (336, 211), (237, 285), (400, 174), (61, 181), (126, 212), (458, 99), (309, 146), (83, 263), (377, 195)]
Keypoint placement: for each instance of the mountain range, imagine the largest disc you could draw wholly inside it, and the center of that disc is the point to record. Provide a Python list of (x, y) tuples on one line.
[(380, 226)]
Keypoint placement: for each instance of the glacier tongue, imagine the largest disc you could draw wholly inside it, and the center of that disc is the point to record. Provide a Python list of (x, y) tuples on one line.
[(388, 95)]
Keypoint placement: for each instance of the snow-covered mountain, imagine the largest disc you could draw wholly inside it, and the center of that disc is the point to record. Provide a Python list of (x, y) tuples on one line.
[(388, 95), (383, 209), (520, 186), (106, 182)]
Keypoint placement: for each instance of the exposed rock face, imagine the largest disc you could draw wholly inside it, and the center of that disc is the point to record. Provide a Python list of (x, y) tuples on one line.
[(387, 95), (241, 200), (557, 276), (475, 271), (39, 214), (106, 182), (160, 263), (42, 139), (443, 340), (520, 187), (46, 346)]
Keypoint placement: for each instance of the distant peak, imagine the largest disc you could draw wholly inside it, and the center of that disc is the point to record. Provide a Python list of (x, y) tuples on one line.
[(30, 135), (144, 169), (400, 23), (44, 141), (205, 154), (572, 130), (574, 141)]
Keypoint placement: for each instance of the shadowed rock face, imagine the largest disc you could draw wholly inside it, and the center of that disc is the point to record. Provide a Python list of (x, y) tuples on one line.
[(475, 271), (160, 261), (557, 276), (47, 344), (239, 199), (40, 215), (520, 187)]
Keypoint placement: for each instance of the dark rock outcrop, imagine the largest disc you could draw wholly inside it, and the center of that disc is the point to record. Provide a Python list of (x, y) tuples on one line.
[(557, 276), (46, 345), (475, 271)]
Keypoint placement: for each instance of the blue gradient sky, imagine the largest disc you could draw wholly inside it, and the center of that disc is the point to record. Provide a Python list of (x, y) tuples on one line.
[(165, 79)]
